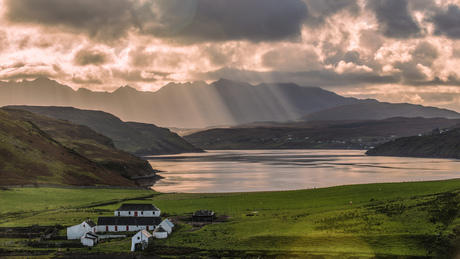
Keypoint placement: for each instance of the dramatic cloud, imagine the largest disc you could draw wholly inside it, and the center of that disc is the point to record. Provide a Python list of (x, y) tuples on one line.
[(395, 20), (103, 19), (86, 57), (448, 23), (401, 50)]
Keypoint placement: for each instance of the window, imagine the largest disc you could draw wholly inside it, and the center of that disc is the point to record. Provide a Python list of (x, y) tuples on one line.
[(138, 238), (129, 212), (142, 213)]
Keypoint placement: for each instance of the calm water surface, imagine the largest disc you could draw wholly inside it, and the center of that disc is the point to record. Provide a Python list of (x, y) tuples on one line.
[(270, 170)]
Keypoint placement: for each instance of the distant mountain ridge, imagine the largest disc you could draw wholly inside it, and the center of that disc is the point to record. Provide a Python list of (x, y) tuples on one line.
[(374, 110), (200, 105), (189, 105)]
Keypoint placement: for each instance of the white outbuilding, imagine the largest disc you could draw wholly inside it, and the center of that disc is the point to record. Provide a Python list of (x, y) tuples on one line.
[(89, 239), (141, 240), (167, 225), (77, 231), (160, 233)]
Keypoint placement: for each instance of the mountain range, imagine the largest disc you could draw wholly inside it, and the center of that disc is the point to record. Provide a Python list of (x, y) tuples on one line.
[(221, 103)]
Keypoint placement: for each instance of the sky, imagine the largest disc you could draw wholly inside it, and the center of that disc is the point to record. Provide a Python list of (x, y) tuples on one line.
[(390, 50)]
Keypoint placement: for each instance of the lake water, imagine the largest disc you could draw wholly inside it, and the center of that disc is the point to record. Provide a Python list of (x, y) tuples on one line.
[(272, 170)]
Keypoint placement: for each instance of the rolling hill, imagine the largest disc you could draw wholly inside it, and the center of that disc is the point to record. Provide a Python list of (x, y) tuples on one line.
[(359, 134), (134, 138), (37, 150), (374, 110), (444, 144)]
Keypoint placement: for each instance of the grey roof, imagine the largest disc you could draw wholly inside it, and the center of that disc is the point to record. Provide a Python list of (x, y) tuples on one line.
[(169, 223), (160, 229), (203, 213), (129, 221), (137, 206), (90, 223)]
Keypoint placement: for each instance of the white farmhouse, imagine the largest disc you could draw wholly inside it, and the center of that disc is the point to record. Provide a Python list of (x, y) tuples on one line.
[(77, 231), (167, 225), (143, 238), (121, 224), (160, 232), (89, 239), (137, 210)]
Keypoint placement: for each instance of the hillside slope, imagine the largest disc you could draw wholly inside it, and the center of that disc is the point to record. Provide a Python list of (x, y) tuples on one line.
[(374, 110), (435, 145), (39, 150), (137, 139)]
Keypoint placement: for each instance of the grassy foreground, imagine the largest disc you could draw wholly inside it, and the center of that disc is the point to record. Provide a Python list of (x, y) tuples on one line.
[(414, 219)]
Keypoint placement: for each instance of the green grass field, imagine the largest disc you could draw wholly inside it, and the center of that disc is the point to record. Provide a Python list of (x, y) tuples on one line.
[(364, 221)]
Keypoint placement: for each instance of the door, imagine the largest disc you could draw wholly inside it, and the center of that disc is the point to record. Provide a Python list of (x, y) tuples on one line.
[(135, 214)]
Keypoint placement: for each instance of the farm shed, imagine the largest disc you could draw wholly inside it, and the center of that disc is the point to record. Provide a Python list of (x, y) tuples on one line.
[(141, 240), (167, 225), (121, 224), (137, 210), (160, 232), (77, 231), (89, 239), (203, 216)]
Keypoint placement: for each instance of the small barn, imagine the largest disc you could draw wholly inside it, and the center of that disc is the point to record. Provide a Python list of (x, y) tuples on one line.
[(160, 233), (89, 239), (203, 216), (167, 225), (141, 240), (137, 210), (121, 224), (77, 231)]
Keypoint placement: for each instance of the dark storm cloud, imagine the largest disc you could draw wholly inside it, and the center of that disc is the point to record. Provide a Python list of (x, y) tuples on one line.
[(184, 20), (86, 57), (102, 19), (253, 20), (319, 10), (448, 23), (395, 20)]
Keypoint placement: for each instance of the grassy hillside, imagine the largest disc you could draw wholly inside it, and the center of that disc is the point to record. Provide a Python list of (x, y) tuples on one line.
[(315, 134), (436, 145), (39, 150), (393, 220), (134, 138)]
